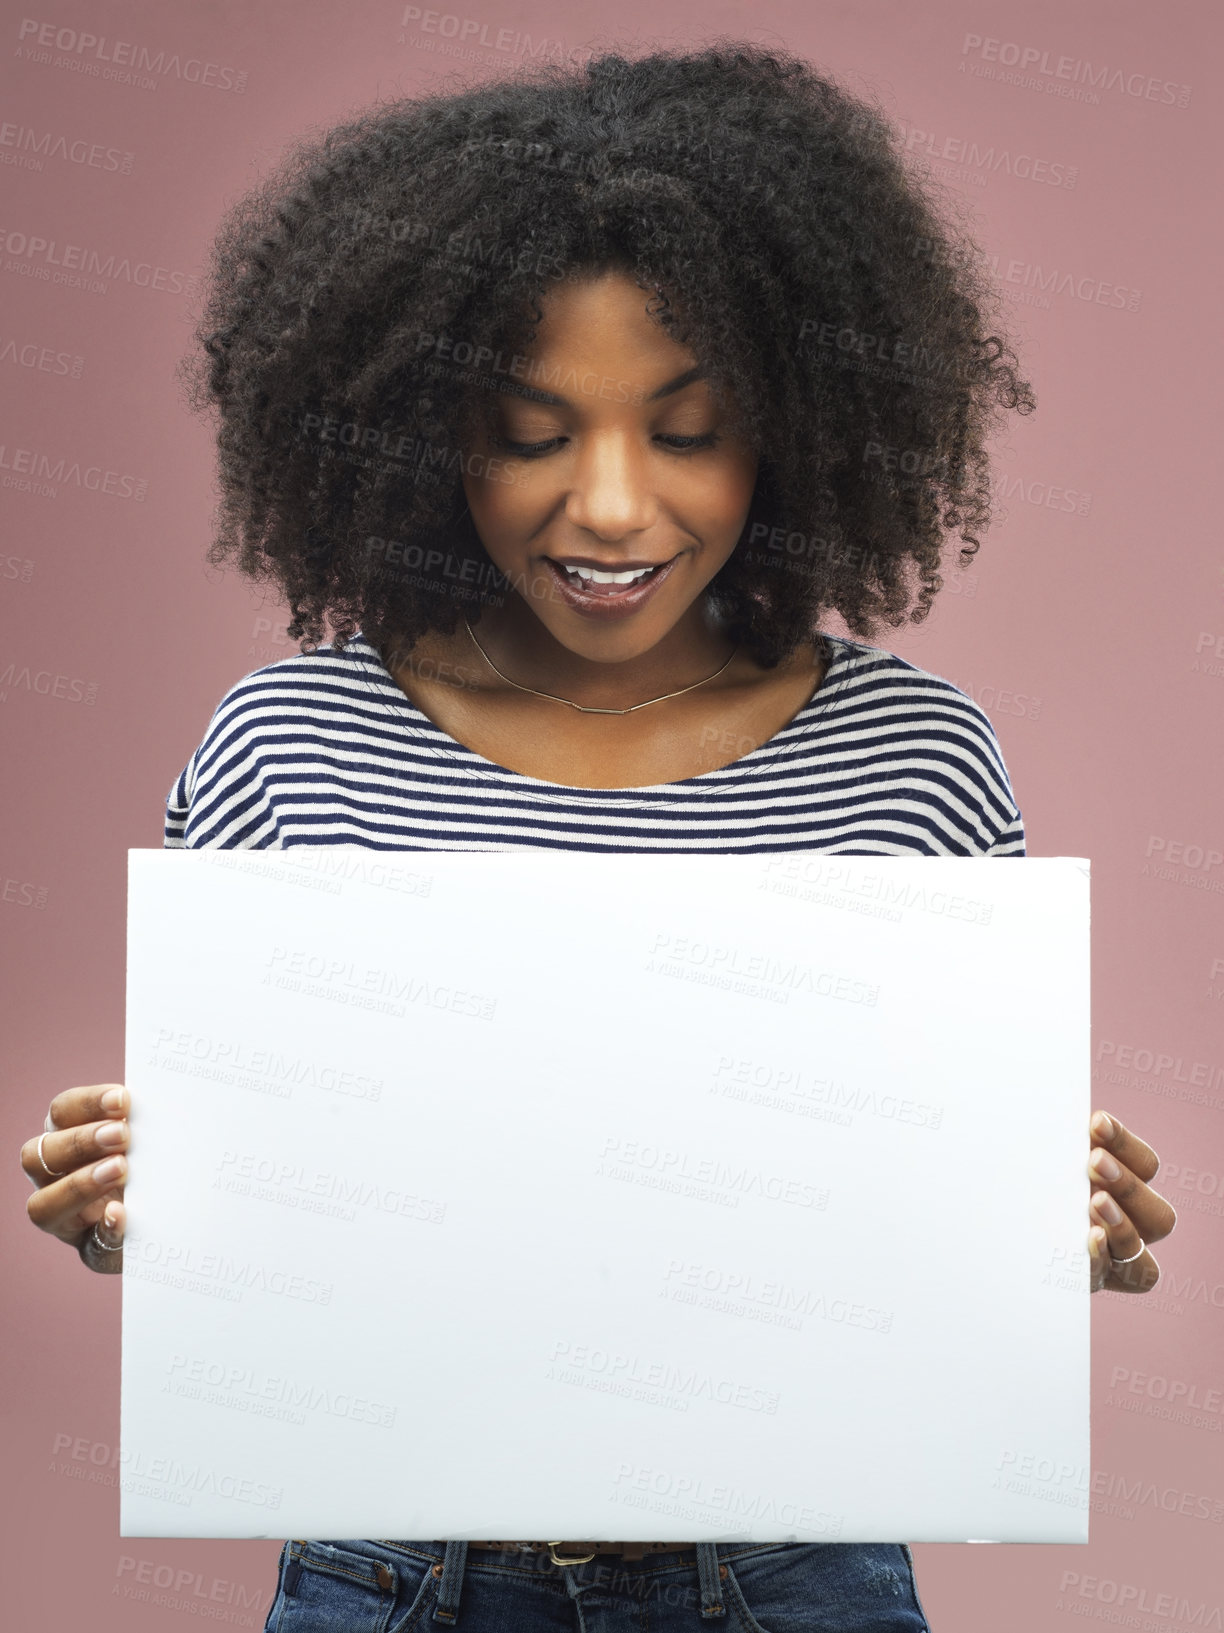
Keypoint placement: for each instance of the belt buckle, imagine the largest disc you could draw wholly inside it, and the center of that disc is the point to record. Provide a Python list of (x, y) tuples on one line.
[(577, 1559)]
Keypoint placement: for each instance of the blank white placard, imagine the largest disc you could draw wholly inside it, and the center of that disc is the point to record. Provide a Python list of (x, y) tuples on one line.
[(633, 1197)]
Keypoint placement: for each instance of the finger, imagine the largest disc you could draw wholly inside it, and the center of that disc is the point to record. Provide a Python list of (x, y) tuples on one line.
[(68, 1206), (94, 1103), (114, 1221), (1098, 1259), (111, 1222), (1128, 1148), (1139, 1277), (1152, 1215), (70, 1149), (1123, 1241), (101, 1247)]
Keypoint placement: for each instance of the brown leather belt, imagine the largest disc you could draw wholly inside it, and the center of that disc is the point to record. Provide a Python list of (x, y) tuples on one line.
[(578, 1553)]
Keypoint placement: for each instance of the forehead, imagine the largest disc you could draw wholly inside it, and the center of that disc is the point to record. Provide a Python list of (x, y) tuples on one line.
[(594, 339), (606, 312)]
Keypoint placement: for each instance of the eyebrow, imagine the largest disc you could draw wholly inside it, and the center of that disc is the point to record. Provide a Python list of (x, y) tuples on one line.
[(536, 395)]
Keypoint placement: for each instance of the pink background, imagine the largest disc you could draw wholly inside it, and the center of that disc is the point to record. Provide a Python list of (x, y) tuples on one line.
[(1091, 629)]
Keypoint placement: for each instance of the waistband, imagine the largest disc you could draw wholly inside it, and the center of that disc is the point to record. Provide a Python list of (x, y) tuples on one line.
[(577, 1553), (655, 1556)]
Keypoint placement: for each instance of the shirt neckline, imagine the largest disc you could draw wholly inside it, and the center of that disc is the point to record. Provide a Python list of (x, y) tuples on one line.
[(479, 766)]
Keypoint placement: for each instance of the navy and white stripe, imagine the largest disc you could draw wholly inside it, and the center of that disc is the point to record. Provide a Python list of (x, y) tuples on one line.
[(323, 748)]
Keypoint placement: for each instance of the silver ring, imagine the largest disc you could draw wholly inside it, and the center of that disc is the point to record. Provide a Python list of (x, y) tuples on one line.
[(1134, 1256), (105, 1247), (53, 1173)]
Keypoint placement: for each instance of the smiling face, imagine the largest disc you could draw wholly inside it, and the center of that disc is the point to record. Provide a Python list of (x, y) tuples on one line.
[(631, 462)]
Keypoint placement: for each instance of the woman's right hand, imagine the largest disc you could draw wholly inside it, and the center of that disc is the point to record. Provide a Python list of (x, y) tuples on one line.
[(87, 1130)]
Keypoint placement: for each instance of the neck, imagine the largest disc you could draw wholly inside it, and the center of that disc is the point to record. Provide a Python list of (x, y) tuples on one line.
[(529, 656)]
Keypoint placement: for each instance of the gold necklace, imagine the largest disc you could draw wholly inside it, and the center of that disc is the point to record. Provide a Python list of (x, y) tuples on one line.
[(582, 706)]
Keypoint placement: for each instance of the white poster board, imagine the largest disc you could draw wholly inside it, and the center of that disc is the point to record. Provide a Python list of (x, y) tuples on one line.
[(628, 1197)]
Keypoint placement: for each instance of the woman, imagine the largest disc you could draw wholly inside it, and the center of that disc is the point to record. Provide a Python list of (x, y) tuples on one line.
[(574, 402)]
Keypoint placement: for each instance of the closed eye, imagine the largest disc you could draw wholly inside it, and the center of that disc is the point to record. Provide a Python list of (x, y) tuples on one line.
[(535, 450)]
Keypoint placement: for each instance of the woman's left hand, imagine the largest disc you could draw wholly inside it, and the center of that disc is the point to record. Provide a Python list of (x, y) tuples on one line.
[(1126, 1213)]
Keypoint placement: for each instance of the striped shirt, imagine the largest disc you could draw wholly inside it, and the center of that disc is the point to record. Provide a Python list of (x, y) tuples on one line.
[(323, 748)]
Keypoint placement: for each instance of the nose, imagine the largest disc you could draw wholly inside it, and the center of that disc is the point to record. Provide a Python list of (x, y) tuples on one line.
[(610, 493)]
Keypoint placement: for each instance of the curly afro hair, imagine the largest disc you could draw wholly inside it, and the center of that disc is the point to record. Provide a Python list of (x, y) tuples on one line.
[(362, 302)]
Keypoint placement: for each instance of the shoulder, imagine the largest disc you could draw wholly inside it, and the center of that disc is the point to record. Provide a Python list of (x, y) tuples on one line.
[(869, 678), (863, 661), (305, 684), (325, 666), (903, 724), (276, 710)]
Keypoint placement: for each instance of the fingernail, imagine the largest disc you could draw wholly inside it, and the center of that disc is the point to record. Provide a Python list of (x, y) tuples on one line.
[(1108, 1209), (111, 1134), (109, 1215), (112, 1100), (1102, 1125), (110, 1169), (1103, 1164)]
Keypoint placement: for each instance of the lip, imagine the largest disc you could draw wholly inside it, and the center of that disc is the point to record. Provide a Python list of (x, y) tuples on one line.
[(604, 566), (608, 600)]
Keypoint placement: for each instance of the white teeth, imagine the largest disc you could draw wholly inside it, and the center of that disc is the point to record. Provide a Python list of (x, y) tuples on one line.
[(595, 576)]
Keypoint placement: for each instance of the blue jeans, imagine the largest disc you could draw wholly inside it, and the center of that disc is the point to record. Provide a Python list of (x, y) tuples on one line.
[(783, 1587)]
